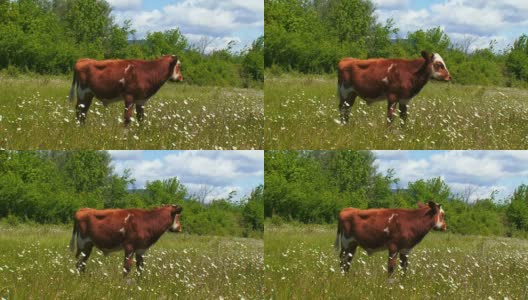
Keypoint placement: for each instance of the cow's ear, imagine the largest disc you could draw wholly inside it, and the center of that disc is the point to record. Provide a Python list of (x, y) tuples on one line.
[(177, 209), (432, 205), (426, 56)]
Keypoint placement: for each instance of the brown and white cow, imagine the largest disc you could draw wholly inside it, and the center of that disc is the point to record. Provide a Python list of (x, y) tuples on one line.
[(397, 230), (132, 80), (397, 80), (131, 230)]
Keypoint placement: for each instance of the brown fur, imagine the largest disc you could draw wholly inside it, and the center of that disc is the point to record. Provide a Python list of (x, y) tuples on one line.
[(374, 229), (128, 229), (133, 80)]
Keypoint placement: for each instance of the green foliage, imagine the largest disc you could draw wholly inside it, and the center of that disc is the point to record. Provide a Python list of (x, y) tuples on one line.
[(49, 186), (48, 36), (312, 36), (313, 186), (517, 212)]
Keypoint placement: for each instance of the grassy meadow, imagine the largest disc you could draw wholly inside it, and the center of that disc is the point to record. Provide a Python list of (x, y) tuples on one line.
[(36, 114), (301, 111), (300, 263), (36, 263)]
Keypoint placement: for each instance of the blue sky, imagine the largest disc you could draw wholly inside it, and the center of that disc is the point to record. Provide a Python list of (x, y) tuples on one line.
[(482, 172), (218, 171), (218, 22), (479, 21)]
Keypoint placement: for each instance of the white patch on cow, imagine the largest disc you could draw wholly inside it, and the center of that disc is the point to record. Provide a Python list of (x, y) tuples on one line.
[(175, 225), (437, 58), (122, 81), (386, 229), (345, 242), (175, 74), (127, 217), (439, 224), (128, 67), (385, 79), (344, 92), (390, 67), (122, 230), (393, 215), (81, 93)]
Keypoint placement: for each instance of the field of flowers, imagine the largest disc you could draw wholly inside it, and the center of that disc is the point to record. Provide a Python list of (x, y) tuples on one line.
[(36, 263), (300, 263), (36, 114), (301, 113)]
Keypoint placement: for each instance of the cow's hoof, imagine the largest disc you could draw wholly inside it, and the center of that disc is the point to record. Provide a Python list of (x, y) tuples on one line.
[(339, 122), (392, 280)]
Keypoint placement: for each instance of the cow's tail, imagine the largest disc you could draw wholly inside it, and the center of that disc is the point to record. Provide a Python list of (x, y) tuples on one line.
[(337, 243), (74, 236), (73, 85)]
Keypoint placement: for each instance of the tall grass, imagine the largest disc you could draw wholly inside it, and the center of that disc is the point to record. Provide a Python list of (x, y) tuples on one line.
[(35, 114), (301, 263), (301, 113), (36, 263)]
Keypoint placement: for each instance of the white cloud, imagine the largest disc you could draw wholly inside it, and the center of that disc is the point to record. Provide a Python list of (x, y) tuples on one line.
[(481, 171), (125, 4), (390, 3), (220, 21), (482, 20), (220, 171)]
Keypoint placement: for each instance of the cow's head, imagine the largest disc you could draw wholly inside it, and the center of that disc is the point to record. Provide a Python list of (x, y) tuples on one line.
[(438, 214), (176, 74), (438, 68), (175, 214)]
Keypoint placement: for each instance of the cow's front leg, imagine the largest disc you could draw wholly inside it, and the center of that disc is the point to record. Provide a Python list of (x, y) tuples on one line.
[(129, 106), (393, 257), (392, 100), (129, 256), (140, 114), (403, 113)]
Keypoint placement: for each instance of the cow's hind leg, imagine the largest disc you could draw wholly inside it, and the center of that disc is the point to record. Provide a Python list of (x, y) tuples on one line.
[(403, 261), (391, 108), (346, 256), (139, 262), (403, 113), (84, 254), (129, 106), (345, 106), (393, 257), (83, 105), (140, 114), (129, 256)]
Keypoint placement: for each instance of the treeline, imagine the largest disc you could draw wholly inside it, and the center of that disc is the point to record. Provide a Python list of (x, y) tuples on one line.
[(49, 186), (311, 36), (48, 36), (313, 186)]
